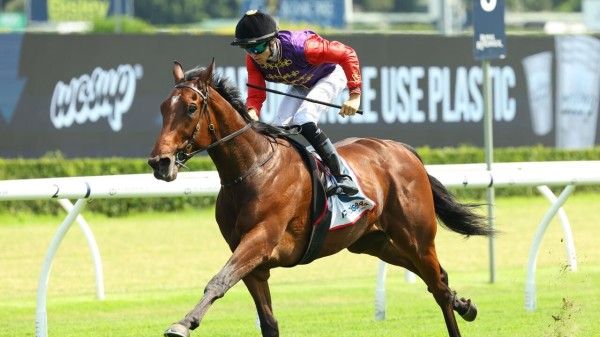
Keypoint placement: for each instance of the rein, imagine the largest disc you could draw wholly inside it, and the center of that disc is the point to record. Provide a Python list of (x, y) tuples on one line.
[(183, 155)]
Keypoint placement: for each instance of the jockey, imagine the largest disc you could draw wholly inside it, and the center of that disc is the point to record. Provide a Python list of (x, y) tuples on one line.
[(314, 68)]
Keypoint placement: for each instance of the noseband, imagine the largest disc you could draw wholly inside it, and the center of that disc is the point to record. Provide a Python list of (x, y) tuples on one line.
[(183, 155)]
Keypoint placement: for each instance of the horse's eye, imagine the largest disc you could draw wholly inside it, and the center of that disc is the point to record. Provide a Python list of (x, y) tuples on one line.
[(192, 109)]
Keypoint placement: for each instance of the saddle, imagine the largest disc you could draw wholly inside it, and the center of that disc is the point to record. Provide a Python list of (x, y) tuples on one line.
[(328, 210)]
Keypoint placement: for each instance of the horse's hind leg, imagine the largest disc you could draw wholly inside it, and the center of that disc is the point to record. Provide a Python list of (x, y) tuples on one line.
[(379, 244), (416, 251), (465, 308), (430, 269)]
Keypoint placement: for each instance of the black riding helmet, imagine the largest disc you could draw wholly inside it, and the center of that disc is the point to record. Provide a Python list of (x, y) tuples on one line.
[(254, 27)]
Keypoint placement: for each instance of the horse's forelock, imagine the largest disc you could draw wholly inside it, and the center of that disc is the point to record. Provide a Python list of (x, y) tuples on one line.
[(193, 74), (223, 86)]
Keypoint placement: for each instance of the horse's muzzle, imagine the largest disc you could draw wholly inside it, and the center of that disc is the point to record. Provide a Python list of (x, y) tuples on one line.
[(163, 167)]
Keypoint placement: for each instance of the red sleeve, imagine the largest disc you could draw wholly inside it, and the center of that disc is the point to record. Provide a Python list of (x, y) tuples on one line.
[(318, 51), (256, 97)]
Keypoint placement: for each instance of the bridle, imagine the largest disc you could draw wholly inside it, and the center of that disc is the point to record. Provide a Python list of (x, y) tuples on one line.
[(183, 155)]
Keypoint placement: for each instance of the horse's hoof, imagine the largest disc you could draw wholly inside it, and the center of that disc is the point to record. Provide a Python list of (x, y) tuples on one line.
[(177, 330), (471, 313)]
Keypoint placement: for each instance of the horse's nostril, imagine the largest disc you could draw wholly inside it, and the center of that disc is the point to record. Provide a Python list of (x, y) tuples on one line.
[(153, 162), (164, 162), (157, 163)]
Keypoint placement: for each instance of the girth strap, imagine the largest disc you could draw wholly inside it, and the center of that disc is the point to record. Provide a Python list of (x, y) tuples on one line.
[(320, 215)]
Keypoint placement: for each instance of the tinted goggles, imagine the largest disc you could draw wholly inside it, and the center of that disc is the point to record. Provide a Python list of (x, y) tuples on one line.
[(256, 48)]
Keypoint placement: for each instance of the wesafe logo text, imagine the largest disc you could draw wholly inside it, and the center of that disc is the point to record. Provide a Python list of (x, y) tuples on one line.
[(102, 94)]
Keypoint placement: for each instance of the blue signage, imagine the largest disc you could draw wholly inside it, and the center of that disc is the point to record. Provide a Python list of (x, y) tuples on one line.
[(489, 37), (38, 10), (248, 5), (325, 13), (11, 82)]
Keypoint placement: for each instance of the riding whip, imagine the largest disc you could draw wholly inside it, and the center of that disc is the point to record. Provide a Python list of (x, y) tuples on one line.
[(300, 97)]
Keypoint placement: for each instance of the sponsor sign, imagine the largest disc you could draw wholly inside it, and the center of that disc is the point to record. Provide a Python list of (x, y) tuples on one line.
[(102, 94), (489, 38)]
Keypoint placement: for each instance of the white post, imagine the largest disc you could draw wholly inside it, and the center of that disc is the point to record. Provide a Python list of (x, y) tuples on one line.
[(349, 14), (530, 296), (380, 292), (89, 236), (41, 317), (566, 226), (445, 17)]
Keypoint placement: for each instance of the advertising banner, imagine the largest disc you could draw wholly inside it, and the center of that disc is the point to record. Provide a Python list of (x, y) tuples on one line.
[(99, 95), (577, 91)]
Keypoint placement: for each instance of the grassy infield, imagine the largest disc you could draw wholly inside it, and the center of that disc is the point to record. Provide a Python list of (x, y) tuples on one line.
[(156, 266)]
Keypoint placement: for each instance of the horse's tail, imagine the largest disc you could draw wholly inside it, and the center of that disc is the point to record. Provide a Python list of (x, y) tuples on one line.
[(456, 216)]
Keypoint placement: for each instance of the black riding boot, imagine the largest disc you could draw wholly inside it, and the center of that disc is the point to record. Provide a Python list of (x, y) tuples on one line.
[(321, 143)]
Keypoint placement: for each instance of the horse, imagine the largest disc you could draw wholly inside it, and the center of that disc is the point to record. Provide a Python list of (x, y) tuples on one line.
[(262, 208)]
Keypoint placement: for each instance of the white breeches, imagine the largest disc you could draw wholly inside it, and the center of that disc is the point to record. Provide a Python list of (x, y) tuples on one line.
[(295, 111)]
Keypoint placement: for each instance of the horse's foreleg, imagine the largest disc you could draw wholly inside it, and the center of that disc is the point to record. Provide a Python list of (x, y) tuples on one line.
[(250, 253), (215, 289), (258, 286)]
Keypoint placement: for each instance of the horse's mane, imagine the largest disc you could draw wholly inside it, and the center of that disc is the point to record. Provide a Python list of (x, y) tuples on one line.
[(232, 94)]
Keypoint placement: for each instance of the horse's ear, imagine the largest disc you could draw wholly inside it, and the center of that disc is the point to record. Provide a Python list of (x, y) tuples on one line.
[(178, 73), (207, 74)]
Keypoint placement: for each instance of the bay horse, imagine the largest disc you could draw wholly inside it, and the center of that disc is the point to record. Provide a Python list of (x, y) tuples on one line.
[(262, 208)]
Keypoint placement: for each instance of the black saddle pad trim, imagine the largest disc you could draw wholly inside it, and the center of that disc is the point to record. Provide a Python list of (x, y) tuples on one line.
[(320, 214)]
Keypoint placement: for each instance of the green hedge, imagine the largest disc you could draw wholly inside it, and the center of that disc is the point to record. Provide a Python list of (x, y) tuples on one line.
[(55, 165)]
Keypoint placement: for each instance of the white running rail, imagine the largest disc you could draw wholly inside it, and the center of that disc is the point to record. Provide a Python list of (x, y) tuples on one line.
[(541, 174)]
